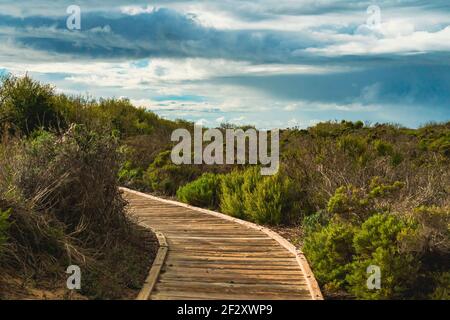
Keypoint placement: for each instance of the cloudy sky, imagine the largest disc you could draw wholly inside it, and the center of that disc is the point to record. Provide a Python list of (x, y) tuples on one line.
[(271, 63)]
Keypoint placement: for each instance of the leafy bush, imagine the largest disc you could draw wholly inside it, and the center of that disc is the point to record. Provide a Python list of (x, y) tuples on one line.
[(377, 243), (232, 197), (203, 192), (250, 196), (67, 209), (162, 176), (340, 254), (130, 175), (354, 146), (357, 204), (269, 201), (4, 225), (26, 105), (383, 148), (410, 249), (330, 251)]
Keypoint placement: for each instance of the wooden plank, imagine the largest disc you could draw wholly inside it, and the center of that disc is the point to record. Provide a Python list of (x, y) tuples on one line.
[(230, 279), (237, 272)]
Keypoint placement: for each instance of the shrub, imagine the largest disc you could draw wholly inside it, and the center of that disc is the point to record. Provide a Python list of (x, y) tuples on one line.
[(162, 176), (27, 104), (232, 198), (316, 221), (129, 175), (269, 201), (357, 204), (4, 225), (340, 254), (354, 146), (383, 148), (262, 199), (350, 203), (441, 290), (330, 251), (203, 192), (74, 176), (67, 209), (378, 242)]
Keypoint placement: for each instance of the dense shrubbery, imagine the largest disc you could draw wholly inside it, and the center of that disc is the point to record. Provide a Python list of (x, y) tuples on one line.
[(359, 231), (367, 195), (164, 177), (203, 192), (243, 194), (27, 105), (60, 205)]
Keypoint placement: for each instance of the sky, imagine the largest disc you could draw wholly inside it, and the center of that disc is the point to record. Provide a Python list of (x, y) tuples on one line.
[(278, 63)]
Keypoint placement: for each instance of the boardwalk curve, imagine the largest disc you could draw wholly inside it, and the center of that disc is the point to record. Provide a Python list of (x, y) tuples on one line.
[(208, 255)]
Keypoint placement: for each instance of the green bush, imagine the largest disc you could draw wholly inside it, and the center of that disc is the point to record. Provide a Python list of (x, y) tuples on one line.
[(354, 146), (269, 201), (130, 175), (351, 204), (330, 251), (383, 148), (340, 254), (232, 197), (162, 176), (262, 199), (357, 204), (378, 242), (203, 192), (26, 105), (4, 225)]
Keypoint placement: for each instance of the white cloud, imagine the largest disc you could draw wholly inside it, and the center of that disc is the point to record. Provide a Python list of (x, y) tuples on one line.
[(392, 40)]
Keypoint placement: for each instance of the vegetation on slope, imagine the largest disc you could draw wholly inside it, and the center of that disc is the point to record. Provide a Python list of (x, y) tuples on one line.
[(362, 194), (59, 201)]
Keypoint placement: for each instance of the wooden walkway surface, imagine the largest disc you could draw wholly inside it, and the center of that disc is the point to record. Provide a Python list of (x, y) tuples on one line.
[(213, 256)]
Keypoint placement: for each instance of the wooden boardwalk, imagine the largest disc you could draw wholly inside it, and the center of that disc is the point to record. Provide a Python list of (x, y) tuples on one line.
[(213, 256)]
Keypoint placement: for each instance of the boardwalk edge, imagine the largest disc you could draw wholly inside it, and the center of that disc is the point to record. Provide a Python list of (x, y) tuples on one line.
[(311, 281), (157, 264)]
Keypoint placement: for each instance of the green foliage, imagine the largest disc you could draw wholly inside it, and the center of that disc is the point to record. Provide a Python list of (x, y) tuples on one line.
[(354, 146), (441, 145), (4, 225), (315, 221), (129, 174), (357, 204), (340, 254), (26, 105), (441, 288), (377, 243), (335, 129), (162, 176), (232, 197), (383, 148), (436, 138), (330, 252), (350, 203), (266, 200), (269, 200), (409, 249), (203, 192)]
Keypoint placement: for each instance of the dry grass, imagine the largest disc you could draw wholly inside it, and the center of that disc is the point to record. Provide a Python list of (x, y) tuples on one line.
[(66, 209)]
